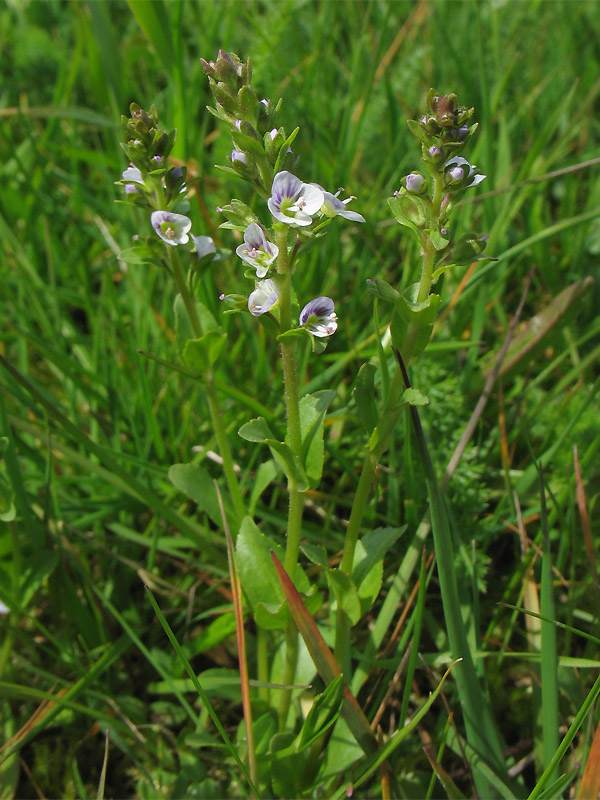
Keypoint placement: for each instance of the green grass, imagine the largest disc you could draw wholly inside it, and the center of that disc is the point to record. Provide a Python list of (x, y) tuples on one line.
[(91, 426)]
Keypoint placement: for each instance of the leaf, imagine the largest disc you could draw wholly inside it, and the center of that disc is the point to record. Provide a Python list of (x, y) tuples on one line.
[(364, 397), (413, 397), (183, 327), (259, 578), (265, 474), (200, 354), (316, 554), (257, 430), (138, 255), (37, 569), (367, 567), (198, 485), (324, 712), (371, 549), (220, 629), (257, 573), (346, 597), (398, 329), (312, 413), (420, 313)]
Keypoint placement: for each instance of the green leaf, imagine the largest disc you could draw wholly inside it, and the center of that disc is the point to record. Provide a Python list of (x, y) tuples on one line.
[(437, 240), (37, 569), (257, 573), (324, 712), (265, 474), (316, 554), (220, 629), (364, 397), (398, 329), (138, 255), (200, 354), (383, 290), (346, 597), (312, 414), (257, 430), (259, 578), (413, 397), (198, 485), (409, 210), (367, 568), (271, 617), (183, 327), (421, 313), (293, 333)]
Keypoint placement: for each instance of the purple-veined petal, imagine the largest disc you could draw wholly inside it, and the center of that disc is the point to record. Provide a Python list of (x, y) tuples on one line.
[(172, 228), (319, 317), (263, 298)]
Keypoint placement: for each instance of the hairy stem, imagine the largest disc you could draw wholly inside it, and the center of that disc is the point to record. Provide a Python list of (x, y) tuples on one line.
[(294, 441)]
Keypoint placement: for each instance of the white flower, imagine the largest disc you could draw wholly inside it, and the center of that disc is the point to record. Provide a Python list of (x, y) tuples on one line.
[(292, 201), (172, 228), (257, 250), (204, 246), (132, 175), (263, 298), (319, 317), (334, 207)]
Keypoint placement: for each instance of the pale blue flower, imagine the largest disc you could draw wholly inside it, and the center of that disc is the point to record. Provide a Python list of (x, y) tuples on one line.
[(172, 228), (292, 201), (319, 317), (263, 298), (237, 155), (132, 175), (334, 207), (204, 246), (257, 250), (458, 172)]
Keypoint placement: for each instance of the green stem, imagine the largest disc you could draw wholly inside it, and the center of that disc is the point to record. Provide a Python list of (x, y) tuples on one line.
[(389, 415), (294, 440), (211, 391)]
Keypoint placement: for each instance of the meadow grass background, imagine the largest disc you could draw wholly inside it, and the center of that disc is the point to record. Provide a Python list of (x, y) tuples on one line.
[(91, 426)]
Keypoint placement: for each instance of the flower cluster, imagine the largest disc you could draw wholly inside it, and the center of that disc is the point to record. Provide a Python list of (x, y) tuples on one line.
[(295, 204), (150, 182), (424, 202), (262, 156)]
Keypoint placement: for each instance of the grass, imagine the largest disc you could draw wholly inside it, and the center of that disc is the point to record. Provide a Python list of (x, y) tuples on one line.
[(90, 425)]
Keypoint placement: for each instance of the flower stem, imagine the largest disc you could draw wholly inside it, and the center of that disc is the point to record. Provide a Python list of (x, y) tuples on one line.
[(294, 441), (389, 415), (211, 391)]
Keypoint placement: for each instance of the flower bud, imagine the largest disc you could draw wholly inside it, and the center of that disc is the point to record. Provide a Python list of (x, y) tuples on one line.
[(415, 183), (226, 70), (468, 248), (224, 96), (454, 175), (273, 141), (434, 154), (243, 164), (248, 104)]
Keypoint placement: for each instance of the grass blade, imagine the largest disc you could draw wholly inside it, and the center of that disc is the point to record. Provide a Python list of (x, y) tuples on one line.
[(201, 693), (481, 729), (549, 664)]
